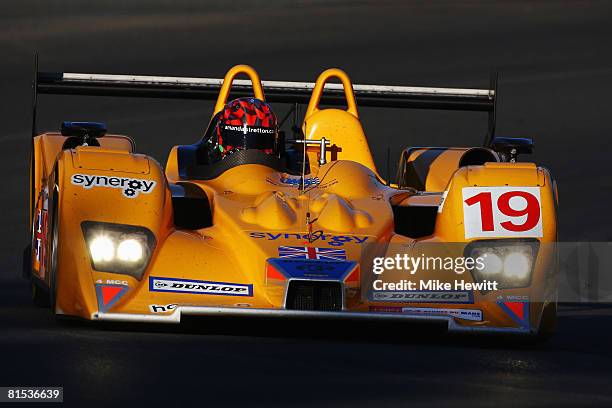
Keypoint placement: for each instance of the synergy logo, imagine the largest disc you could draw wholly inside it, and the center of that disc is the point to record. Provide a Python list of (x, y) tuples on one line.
[(158, 284), (329, 239), (130, 186)]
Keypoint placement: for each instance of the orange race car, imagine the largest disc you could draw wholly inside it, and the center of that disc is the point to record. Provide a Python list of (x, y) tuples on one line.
[(247, 221)]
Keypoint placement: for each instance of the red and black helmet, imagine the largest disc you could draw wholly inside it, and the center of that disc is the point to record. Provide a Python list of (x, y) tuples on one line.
[(247, 123)]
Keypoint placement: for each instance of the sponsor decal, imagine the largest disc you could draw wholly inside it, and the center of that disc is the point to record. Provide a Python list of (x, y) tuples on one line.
[(514, 298), (283, 268), (518, 311), (249, 129), (40, 236), (423, 297), (159, 284), (464, 314), (297, 181), (108, 295), (113, 282), (131, 186), (330, 254), (40, 230), (162, 308), (329, 239)]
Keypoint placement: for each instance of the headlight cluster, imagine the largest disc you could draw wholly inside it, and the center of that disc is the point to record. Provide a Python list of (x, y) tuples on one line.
[(508, 262), (118, 248)]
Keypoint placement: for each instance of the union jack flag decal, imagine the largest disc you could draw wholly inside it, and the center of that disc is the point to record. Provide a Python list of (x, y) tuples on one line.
[(324, 254)]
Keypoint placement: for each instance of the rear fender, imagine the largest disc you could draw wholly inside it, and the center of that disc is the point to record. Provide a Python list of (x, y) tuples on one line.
[(431, 168)]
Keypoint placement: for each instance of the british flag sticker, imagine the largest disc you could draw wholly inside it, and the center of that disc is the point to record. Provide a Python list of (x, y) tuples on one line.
[(305, 252)]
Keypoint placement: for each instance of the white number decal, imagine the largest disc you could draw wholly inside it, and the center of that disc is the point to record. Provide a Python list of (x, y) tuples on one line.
[(502, 212)]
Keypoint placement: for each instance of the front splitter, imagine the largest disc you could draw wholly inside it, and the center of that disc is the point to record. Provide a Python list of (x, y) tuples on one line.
[(180, 311)]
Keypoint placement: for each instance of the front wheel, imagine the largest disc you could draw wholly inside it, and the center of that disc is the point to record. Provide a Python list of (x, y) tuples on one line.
[(40, 296), (548, 323)]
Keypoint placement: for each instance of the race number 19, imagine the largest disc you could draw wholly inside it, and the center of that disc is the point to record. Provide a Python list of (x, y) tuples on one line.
[(502, 212)]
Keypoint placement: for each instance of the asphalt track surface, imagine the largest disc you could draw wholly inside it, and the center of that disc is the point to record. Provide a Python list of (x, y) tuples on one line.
[(556, 67)]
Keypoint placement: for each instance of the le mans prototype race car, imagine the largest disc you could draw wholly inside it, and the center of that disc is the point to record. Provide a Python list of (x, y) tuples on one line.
[(116, 237)]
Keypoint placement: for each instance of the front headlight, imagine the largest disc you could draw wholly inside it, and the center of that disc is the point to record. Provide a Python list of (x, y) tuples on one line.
[(118, 248), (508, 262)]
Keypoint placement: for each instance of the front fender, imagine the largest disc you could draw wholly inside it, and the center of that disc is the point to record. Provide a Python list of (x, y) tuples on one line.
[(94, 184)]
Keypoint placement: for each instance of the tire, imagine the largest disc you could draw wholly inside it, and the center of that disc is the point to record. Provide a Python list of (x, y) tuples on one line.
[(40, 297), (548, 322), (52, 261)]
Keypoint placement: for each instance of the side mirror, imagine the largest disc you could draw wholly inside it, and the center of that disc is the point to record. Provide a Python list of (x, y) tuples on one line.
[(83, 130), (509, 148), (82, 133)]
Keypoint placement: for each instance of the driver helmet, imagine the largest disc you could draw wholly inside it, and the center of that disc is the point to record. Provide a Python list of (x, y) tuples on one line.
[(245, 123)]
